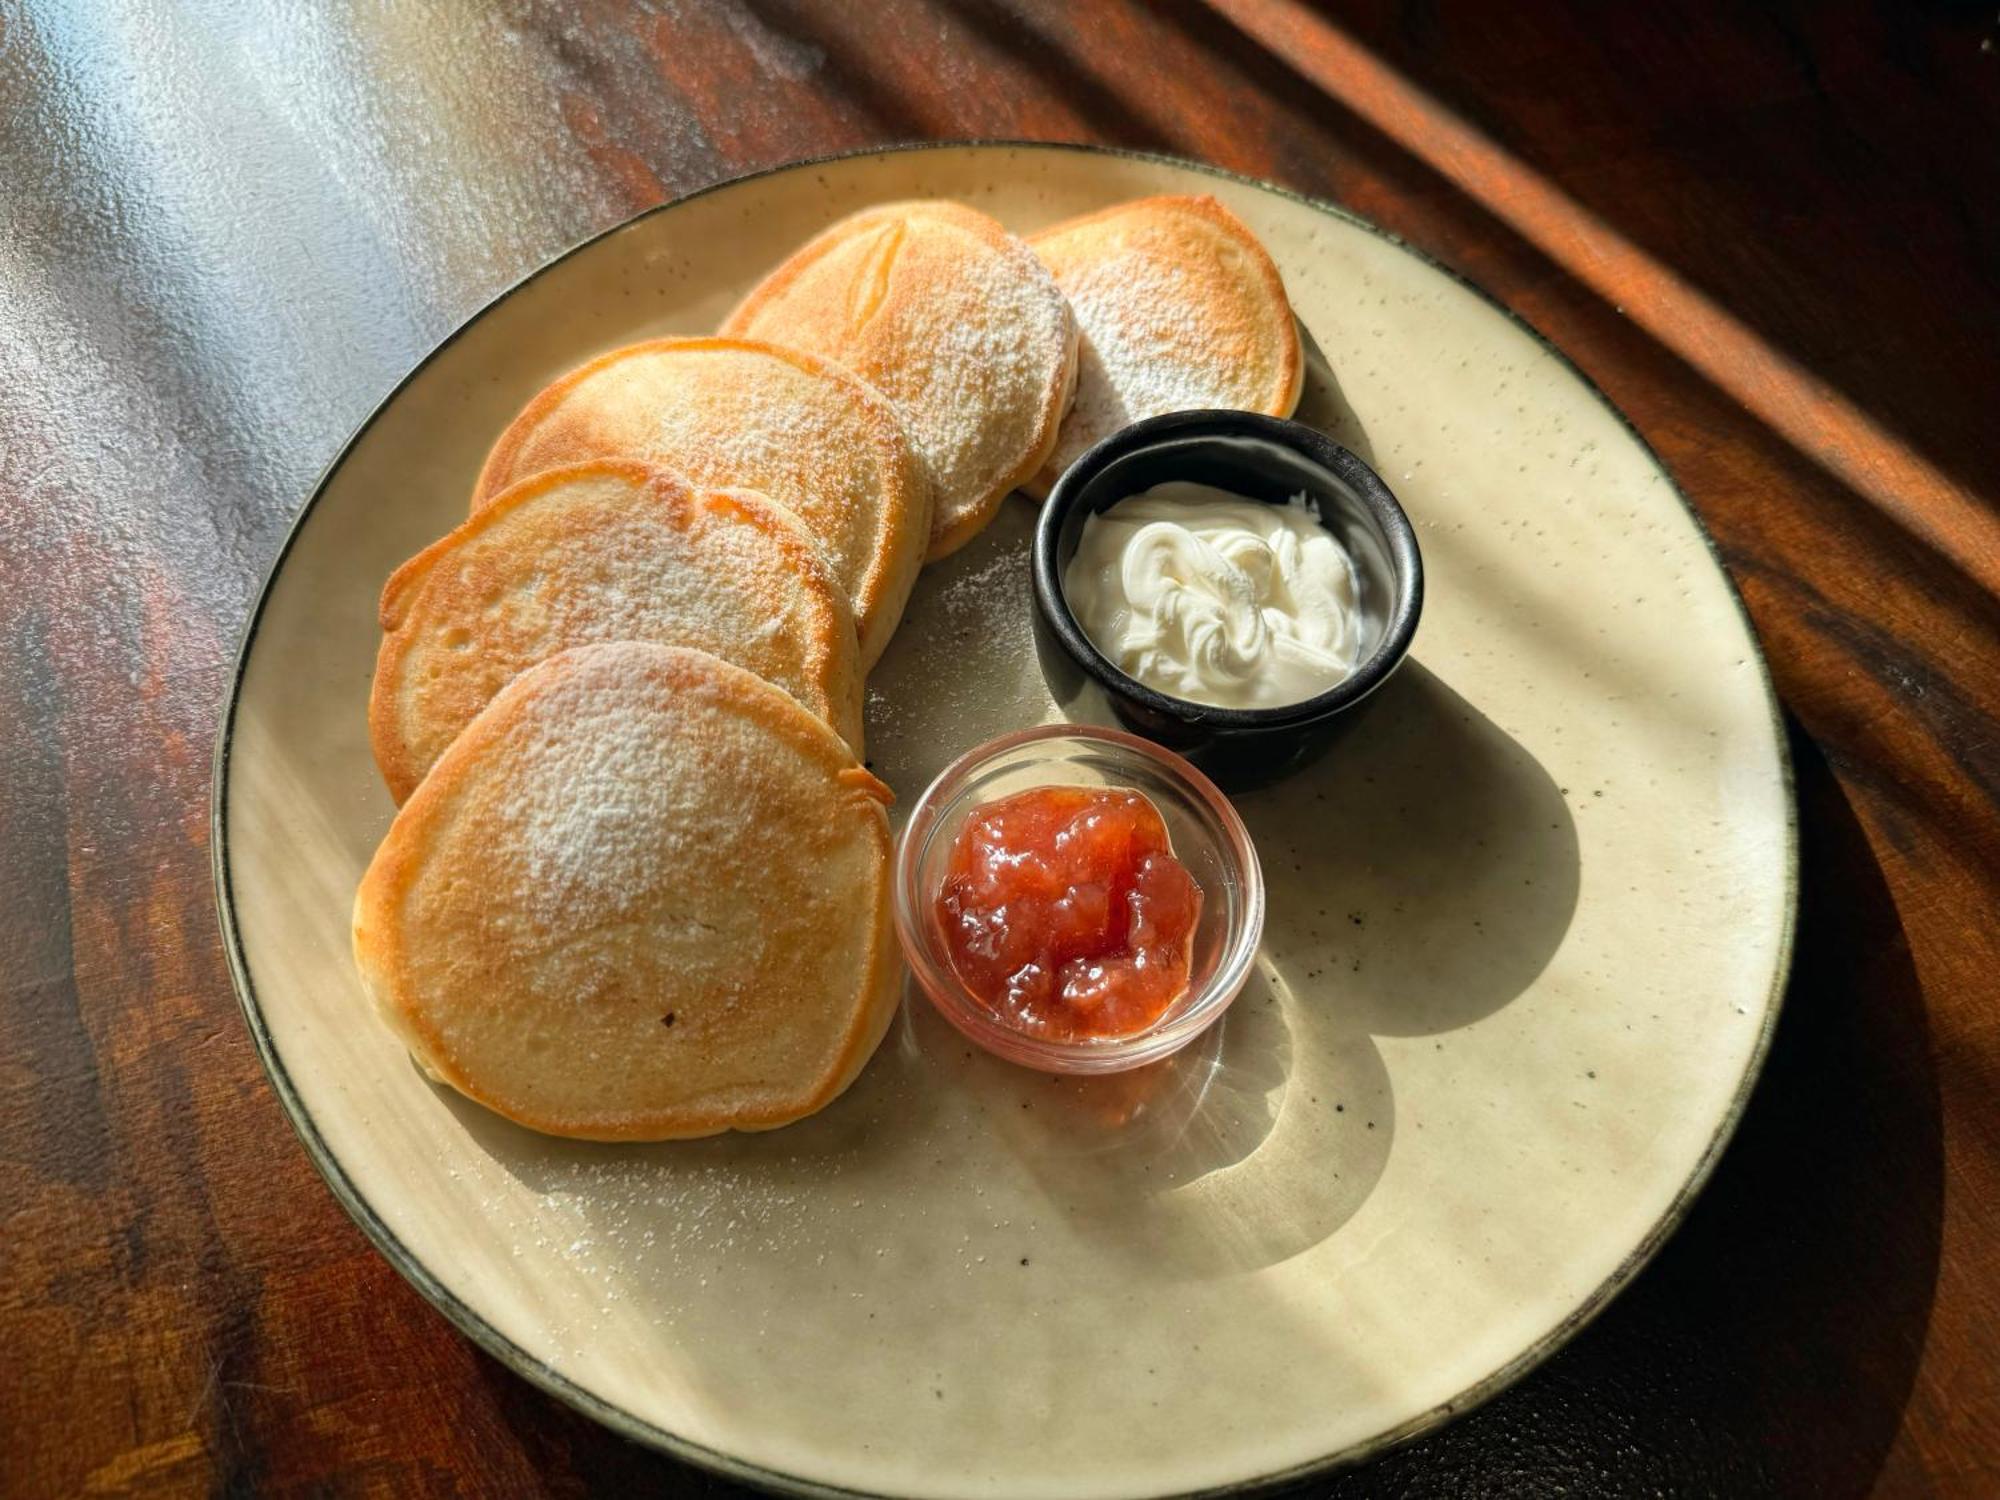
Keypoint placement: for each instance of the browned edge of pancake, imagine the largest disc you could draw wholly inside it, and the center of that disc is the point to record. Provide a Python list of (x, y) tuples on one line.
[(1055, 405), (386, 884), (1202, 206), (392, 754), (886, 585)]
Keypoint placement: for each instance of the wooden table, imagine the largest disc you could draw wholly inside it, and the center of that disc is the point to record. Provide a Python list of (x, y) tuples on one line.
[(1773, 239)]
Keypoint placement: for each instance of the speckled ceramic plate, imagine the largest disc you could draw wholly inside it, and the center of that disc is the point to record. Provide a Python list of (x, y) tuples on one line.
[(1527, 931)]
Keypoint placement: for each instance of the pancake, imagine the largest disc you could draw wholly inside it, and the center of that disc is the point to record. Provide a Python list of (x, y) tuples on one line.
[(725, 412), (643, 896), (956, 321), (608, 551), (1178, 308)]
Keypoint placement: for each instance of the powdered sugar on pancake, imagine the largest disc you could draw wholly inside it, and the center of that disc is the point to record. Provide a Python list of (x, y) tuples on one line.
[(982, 349), (952, 318), (597, 821), (1143, 348), (609, 551), (814, 438), (1178, 308), (643, 895)]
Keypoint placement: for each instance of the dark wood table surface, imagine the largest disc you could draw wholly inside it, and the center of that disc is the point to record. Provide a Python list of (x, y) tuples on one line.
[(1771, 234)]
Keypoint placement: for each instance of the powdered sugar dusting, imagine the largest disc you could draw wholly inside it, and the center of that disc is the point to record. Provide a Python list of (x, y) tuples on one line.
[(1166, 322), (594, 820), (990, 343), (822, 444), (595, 560), (641, 894), (971, 340)]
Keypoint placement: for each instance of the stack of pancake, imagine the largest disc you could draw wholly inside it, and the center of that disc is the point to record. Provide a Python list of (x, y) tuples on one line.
[(638, 885)]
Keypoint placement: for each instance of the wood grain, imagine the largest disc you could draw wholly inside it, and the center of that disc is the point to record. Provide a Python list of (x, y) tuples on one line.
[(225, 234)]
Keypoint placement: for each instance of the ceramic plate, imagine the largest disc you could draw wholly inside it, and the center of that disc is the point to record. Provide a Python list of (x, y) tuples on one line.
[(1527, 930)]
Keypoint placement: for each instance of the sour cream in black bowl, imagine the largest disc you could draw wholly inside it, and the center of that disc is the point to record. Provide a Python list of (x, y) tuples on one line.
[(1229, 585)]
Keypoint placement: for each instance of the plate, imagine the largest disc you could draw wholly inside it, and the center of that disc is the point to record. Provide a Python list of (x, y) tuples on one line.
[(1527, 930)]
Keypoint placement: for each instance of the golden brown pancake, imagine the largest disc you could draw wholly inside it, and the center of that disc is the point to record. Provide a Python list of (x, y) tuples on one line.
[(644, 895), (1178, 308), (951, 317), (606, 551), (737, 414)]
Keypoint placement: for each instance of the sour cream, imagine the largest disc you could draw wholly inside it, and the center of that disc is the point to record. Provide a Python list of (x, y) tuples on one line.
[(1216, 598)]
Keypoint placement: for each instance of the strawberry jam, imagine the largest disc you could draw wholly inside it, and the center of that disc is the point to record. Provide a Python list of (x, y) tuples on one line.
[(1066, 914)]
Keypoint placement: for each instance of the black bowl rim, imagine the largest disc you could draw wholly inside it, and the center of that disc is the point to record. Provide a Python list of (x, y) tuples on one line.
[(1310, 443)]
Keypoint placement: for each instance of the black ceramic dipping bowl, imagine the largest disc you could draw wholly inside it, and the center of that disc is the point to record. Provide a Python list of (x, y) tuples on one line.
[(1261, 458)]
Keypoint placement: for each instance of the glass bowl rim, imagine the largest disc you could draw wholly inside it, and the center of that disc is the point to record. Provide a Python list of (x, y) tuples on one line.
[(1193, 1016)]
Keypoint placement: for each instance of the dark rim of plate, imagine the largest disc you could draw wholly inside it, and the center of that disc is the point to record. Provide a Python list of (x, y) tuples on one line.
[(483, 1334)]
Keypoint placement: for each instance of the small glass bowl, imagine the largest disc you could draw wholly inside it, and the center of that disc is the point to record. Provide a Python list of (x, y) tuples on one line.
[(1207, 836)]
